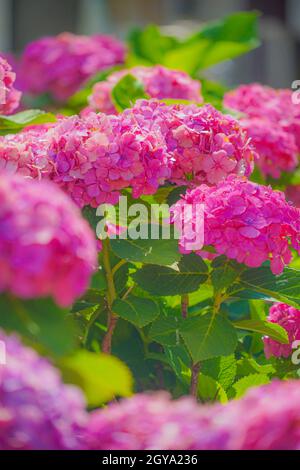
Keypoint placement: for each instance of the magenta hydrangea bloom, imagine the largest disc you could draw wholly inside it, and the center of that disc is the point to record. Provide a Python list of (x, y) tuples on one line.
[(289, 318), (293, 194), (46, 248), (266, 418), (150, 421), (245, 221), (277, 106), (269, 421), (59, 65), (204, 145), (158, 82), (277, 148), (37, 411), (97, 156), (9, 96)]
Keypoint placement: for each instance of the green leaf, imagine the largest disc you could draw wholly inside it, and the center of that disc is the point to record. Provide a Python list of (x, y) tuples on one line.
[(226, 39), (100, 376), (127, 91), (248, 365), (265, 328), (165, 330), (16, 122), (284, 288), (150, 44), (222, 369), (252, 380), (40, 321), (160, 251), (208, 336), (224, 273), (210, 389), (137, 310), (161, 280)]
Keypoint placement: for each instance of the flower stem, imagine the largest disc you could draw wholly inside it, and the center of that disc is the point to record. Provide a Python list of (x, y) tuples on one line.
[(184, 305), (111, 296), (194, 380)]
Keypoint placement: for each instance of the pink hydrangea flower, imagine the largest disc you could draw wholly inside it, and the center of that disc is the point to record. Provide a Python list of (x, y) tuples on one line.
[(158, 81), (264, 419), (277, 106), (95, 157), (46, 248), (59, 65), (243, 220), (9, 96), (277, 148), (142, 422), (38, 412), (25, 152), (293, 194), (204, 145), (289, 318)]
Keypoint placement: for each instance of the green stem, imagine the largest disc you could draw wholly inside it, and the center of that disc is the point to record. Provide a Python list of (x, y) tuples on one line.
[(194, 380), (184, 305), (111, 296)]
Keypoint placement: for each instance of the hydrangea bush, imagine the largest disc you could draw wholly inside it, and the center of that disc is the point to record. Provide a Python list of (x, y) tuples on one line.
[(149, 247)]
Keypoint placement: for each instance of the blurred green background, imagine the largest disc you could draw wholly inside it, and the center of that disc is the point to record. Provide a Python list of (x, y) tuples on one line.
[(274, 63)]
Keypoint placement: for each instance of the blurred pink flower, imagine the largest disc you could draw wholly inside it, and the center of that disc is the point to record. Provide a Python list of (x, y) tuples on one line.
[(289, 318), (9, 96)]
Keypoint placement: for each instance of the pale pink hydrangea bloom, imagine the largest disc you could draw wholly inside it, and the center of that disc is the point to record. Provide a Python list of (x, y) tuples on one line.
[(95, 157), (275, 106), (289, 318), (245, 221), (9, 96), (266, 418), (38, 411), (46, 247), (158, 81), (204, 145), (25, 153), (59, 65)]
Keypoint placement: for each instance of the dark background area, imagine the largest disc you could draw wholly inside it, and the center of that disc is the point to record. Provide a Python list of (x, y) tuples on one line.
[(275, 62)]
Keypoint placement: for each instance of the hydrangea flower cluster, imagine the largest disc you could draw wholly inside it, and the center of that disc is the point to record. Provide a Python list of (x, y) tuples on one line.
[(293, 194), (270, 422), (273, 122), (158, 81), (46, 248), (59, 65), (9, 96), (277, 148), (38, 412), (97, 156), (204, 145), (142, 422), (266, 418), (289, 318), (245, 221), (25, 152)]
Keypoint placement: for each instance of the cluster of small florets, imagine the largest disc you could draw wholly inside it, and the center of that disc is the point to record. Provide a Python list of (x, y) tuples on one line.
[(289, 318), (152, 421), (59, 65), (158, 82), (46, 248), (97, 156), (269, 421), (9, 96), (204, 145), (38, 412), (273, 123), (25, 152), (245, 221)]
